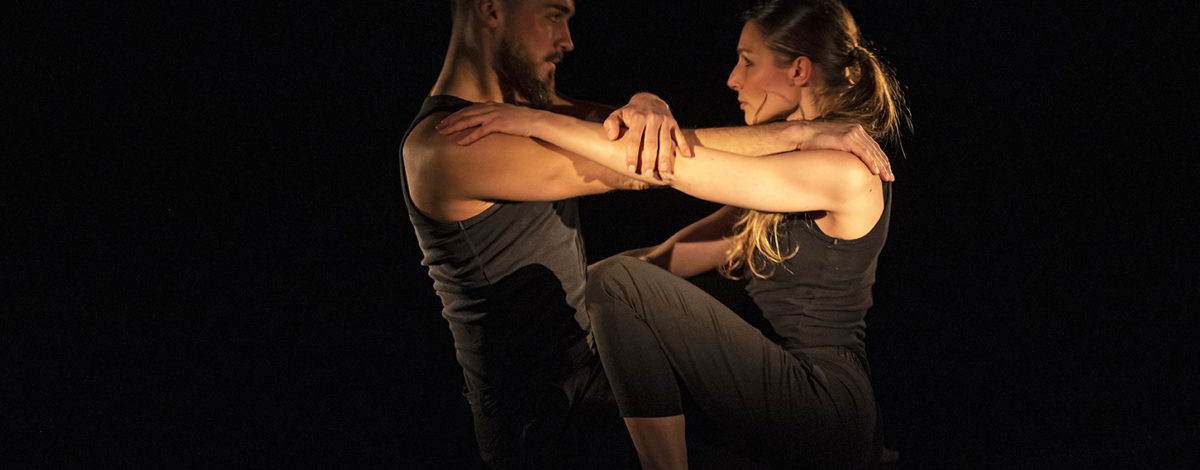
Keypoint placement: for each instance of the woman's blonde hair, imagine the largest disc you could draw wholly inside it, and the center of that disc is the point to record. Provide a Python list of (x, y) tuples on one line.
[(858, 88)]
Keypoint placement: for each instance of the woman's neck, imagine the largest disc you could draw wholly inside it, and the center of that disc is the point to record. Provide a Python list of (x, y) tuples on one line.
[(807, 107)]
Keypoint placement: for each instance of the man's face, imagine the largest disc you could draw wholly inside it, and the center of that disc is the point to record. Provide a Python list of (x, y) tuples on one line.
[(534, 40)]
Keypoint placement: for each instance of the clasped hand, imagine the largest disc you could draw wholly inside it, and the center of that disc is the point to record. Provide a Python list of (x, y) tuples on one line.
[(653, 136)]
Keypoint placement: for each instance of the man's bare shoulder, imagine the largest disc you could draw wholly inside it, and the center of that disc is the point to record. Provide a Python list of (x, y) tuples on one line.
[(423, 140), (435, 175), (427, 152), (427, 147), (498, 167)]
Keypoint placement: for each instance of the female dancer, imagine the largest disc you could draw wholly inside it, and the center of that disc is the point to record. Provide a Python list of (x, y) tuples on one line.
[(806, 228)]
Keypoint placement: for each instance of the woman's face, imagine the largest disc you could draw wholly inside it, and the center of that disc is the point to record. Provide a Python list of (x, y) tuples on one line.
[(764, 88)]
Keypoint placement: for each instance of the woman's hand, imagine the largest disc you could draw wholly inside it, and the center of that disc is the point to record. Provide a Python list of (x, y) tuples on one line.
[(489, 118), (658, 136)]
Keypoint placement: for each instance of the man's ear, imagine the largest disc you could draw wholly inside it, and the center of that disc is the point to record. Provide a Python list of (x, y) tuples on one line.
[(489, 12), (800, 72)]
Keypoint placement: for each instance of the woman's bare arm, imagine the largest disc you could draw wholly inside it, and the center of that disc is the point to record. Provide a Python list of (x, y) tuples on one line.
[(788, 182), (695, 249)]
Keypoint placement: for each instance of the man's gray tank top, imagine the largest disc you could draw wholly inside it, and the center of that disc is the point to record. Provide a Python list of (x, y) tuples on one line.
[(511, 280)]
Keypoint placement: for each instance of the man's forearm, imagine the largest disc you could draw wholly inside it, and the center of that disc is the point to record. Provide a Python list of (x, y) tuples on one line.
[(785, 136), (762, 139)]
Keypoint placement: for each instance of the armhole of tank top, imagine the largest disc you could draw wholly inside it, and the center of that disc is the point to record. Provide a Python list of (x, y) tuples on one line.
[(811, 226), (425, 218)]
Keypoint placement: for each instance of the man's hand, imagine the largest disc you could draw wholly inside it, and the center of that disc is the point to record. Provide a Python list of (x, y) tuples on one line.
[(657, 135), (845, 137)]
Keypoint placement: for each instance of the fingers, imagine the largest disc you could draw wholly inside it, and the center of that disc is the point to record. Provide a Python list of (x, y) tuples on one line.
[(612, 125), (861, 144), (881, 165), (477, 116), (878, 160), (634, 143), (458, 125), (473, 136), (666, 152), (887, 164), (462, 119), (685, 147), (885, 167), (650, 150), (858, 142), (479, 123)]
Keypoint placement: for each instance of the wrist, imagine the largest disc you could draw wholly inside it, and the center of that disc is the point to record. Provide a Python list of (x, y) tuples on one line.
[(546, 123), (798, 134), (649, 98)]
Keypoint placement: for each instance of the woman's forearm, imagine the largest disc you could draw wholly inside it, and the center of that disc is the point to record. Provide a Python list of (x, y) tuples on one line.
[(790, 182), (587, 139), (712, 175)]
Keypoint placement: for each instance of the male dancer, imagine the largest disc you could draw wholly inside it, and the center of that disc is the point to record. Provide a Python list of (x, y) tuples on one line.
[(499, 228)]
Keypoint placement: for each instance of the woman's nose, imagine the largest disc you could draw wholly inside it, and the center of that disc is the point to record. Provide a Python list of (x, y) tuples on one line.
[(733, 82)]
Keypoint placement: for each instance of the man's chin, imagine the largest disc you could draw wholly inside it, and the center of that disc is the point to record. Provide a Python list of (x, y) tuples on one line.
[(542, 99)]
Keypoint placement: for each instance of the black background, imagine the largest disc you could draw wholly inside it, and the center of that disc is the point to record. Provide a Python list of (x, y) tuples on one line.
[(207, 261)]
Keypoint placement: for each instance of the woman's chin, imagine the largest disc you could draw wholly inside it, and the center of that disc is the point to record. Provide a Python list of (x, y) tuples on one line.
[(751, 117)]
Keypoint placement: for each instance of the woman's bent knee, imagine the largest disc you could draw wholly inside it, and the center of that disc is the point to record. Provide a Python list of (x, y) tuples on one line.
[(607, 276), (611, 282)]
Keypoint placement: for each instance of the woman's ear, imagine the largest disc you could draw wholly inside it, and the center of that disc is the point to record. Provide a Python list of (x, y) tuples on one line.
[(800, 71)]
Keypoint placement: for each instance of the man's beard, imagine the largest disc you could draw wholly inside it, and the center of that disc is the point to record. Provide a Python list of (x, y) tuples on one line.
[(518, 73)]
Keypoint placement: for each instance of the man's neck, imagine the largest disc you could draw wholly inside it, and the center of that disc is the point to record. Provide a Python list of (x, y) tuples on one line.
[(467, 74)]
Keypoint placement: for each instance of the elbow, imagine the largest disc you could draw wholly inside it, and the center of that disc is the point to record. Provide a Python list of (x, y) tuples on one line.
[(639, 183), (635, 185), (626, 183)]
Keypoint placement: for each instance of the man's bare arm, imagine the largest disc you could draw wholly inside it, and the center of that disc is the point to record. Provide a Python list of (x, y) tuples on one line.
[(579, 138), (761, 139), (798, 181), (447, 180)]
